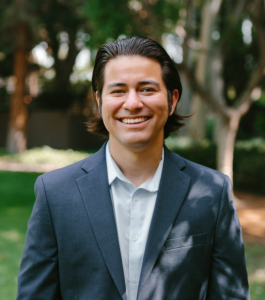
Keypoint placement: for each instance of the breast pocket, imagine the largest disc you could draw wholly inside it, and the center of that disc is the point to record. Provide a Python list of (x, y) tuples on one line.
[(185, 241)]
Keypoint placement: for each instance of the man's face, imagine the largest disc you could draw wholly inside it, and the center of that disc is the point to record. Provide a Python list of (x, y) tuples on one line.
[(134, 101)]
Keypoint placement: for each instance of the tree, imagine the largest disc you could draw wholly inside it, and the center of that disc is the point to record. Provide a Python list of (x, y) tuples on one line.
[(23, 25), (228, 113), (197, 122), (16, 138), (63, 18), (17, 23), (110, 19)]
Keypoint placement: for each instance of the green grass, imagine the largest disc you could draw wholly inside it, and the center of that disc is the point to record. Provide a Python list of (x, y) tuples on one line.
[(255, 259), (16, 201)]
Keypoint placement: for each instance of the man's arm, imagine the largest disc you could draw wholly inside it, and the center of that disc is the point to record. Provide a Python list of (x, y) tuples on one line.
[(228, 277), (38, 274)]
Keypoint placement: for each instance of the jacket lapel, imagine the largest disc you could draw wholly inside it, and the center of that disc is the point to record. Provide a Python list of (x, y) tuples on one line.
[(173, 188), (94, 189)]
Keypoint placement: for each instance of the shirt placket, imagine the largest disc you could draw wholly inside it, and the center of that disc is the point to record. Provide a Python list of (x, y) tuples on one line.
[(135, 241)]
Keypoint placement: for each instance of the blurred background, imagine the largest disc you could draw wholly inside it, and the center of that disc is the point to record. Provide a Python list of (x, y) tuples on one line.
[(47, 52)]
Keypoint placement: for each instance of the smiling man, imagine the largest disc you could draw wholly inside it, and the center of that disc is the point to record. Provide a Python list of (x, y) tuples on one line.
[(134, 220)]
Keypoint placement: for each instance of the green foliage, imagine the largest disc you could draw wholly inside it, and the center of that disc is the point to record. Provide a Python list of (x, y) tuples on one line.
[(56, 16), (249, 160), (253, 123), (239, 58), (202, 152), (110, 19)]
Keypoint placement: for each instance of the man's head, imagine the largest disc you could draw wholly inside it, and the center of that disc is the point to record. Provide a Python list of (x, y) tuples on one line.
[(125, 73)]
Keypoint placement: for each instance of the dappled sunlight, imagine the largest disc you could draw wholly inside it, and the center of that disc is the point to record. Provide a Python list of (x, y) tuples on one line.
[(172, 263), (42, 159), (11, 235), (258, 276), (253, 222), (190, 242)]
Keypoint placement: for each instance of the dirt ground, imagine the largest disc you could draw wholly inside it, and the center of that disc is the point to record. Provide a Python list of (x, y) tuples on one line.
[(252, 216)]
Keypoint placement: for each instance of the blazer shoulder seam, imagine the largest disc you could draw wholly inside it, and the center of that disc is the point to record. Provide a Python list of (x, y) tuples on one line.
[(221, 201), (48, 206)]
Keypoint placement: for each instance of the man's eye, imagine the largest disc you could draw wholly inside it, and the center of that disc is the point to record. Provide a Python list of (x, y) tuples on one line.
[(117, 92), (148, 90)]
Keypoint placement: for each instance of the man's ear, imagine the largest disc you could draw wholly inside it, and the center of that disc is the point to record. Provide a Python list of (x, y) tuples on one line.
[(174, 100), (98, 102), (97, 98)]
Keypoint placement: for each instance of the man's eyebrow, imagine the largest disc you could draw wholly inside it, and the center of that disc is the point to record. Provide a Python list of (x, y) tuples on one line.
[(145, 82), (116, 84), (149, 82)]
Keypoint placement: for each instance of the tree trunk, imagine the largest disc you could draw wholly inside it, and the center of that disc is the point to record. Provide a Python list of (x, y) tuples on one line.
[(216, 84), (197, 122), (64, 68), (16, 136), (226, 143)]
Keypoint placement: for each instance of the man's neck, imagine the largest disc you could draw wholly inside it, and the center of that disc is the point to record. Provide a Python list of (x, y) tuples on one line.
[(137, 165)]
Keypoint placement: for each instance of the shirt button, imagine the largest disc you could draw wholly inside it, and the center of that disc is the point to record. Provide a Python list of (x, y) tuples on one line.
[(135, 238), (135, 279), (136, 198)]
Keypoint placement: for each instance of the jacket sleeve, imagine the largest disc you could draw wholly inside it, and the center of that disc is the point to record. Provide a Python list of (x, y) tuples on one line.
[(38, 274), (228, 275)]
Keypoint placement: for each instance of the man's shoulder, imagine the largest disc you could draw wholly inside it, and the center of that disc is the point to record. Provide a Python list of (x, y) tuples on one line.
[(70, 173), (71, 170)]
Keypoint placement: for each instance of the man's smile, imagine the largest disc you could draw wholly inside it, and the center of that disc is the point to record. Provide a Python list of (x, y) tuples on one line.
[(133, 120)]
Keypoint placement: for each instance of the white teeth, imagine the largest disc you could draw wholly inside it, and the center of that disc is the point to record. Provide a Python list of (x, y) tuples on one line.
[(132, 121)]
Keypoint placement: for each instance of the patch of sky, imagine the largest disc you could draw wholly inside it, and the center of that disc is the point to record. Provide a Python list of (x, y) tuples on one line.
[(247, 31), (215, 35), (41, 57), (172, 44), (83, 59)]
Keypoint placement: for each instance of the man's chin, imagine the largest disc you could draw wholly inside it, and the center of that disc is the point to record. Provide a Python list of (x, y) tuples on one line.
[(136, 142)]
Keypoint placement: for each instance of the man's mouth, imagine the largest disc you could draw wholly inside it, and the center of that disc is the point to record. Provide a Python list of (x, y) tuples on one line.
[(135, 120)]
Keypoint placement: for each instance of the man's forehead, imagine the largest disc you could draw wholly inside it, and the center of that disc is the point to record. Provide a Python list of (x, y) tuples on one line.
[(127, 68)]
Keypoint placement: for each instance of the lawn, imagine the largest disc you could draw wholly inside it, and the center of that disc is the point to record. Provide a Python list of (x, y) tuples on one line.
[(16, 201)]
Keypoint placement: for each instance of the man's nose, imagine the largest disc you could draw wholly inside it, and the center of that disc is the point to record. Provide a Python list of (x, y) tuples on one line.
[(132, 101)]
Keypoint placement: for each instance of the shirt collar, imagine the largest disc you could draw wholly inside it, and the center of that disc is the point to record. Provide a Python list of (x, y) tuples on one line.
[(114, 172)]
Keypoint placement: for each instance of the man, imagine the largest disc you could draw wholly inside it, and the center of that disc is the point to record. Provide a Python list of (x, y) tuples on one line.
[(134, 220)]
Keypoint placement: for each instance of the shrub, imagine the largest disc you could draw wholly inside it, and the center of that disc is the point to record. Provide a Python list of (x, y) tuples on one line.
[(249, 160)]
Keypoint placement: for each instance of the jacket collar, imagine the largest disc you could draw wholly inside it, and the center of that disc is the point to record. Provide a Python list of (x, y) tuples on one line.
[(94, 189)]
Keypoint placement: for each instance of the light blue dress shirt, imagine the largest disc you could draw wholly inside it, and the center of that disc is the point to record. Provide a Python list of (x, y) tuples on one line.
[(133, 210)]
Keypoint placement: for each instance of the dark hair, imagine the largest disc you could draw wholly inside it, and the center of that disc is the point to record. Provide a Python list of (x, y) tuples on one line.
[(142, 46)]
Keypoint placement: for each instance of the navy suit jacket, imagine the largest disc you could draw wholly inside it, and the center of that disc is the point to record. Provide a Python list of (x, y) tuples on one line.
[(194, 249)]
